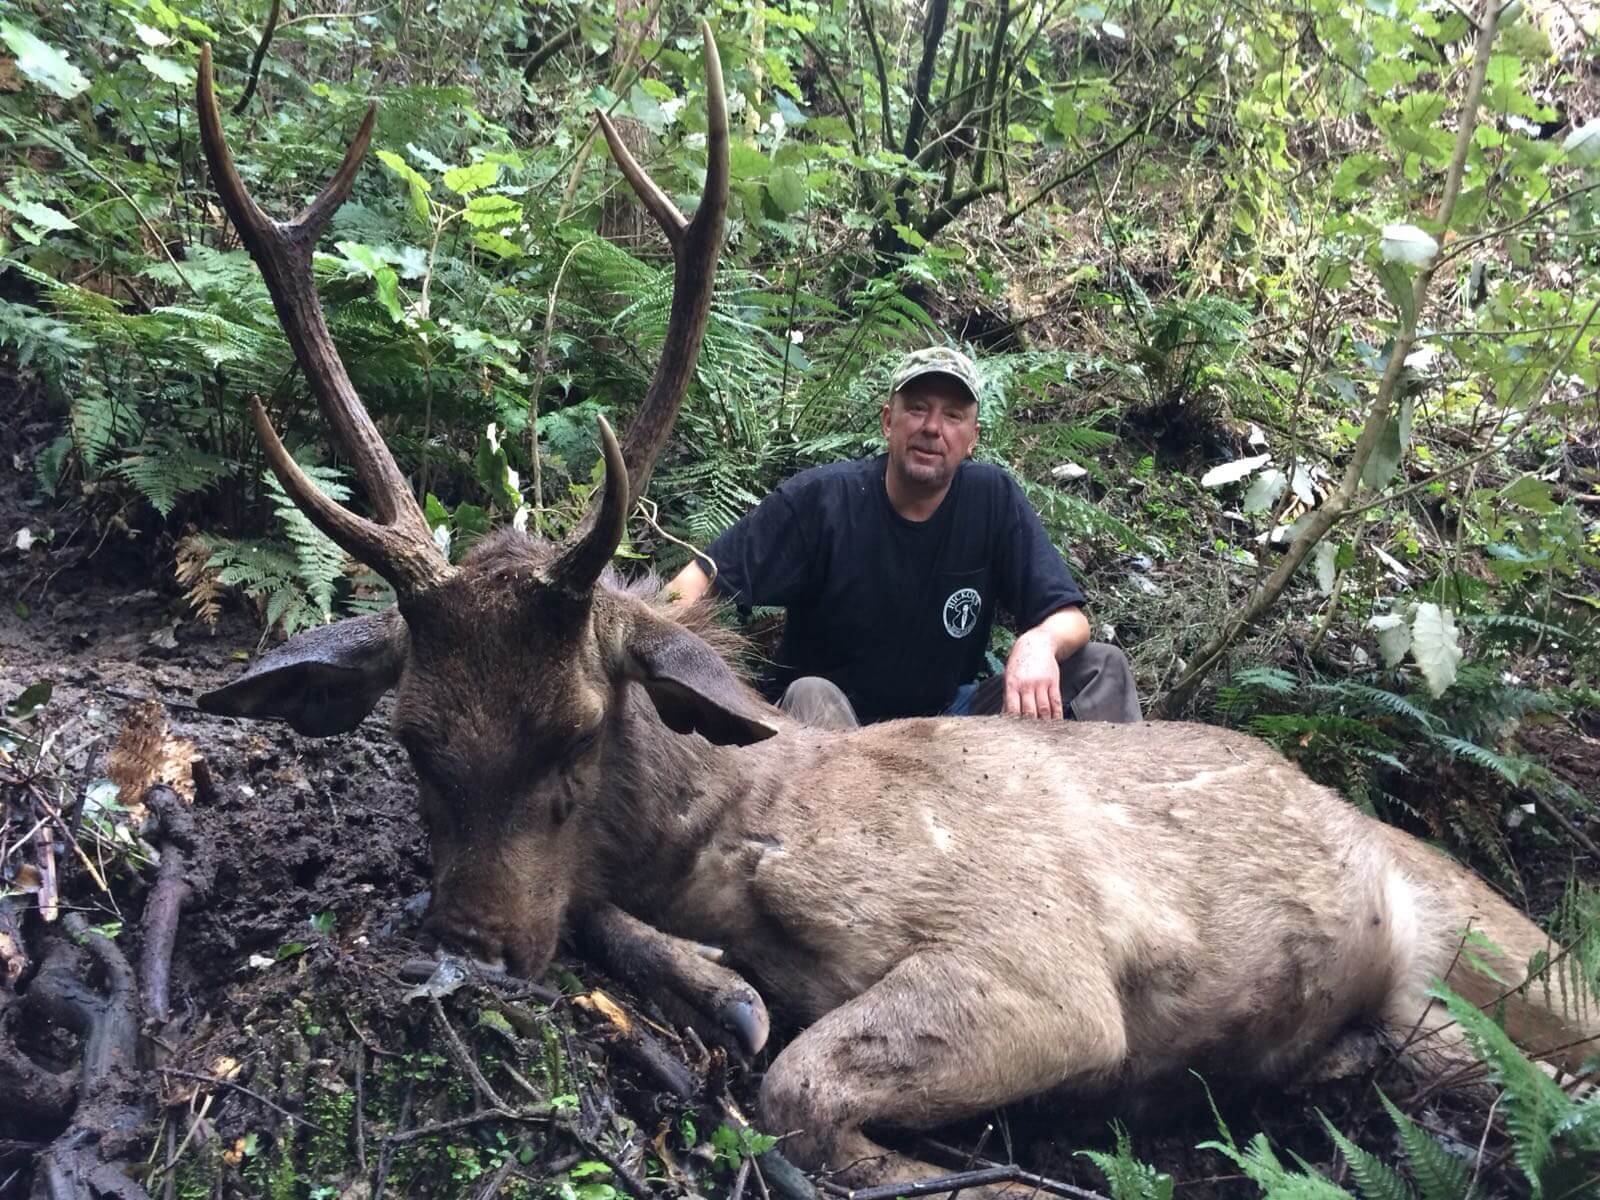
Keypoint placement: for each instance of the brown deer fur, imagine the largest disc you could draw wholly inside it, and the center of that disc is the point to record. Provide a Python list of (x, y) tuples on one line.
[(961, 912)]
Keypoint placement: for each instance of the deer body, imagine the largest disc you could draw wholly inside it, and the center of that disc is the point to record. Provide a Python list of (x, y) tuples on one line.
[(822, 861), (961, 912)]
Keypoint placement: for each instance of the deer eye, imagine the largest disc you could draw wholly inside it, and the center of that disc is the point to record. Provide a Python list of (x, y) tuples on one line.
[(580, 747), (563, 800)]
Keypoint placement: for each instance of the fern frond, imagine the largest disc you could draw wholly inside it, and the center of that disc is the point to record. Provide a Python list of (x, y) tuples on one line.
[(1376, 1179), (1439, 1174), (1532, 1102), (166, 470), (1510, 767), (319, 563), (1379, 699), (1128, 1178)]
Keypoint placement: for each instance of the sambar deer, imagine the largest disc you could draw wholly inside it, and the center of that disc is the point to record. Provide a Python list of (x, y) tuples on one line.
[(961, 912)]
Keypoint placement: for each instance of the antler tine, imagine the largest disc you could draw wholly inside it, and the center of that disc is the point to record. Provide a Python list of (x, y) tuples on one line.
[(399, 546), (581, 562), (665, 212), (695, 246)]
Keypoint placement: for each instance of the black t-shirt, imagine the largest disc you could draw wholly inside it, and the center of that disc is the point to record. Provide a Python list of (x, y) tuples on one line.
[(896, 612)]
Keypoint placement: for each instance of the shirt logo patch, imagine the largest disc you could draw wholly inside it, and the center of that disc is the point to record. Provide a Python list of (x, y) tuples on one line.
[(961, 612)]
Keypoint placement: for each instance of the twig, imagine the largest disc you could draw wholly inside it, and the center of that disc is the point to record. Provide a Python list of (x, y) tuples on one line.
[(385, 1151), (982, 1177), (496, 1181), (538, 384), (553, 46), (214, 1081), (66, 832), (261, 53), (361, 1110), (539, 1113), (640, 1189), (463, 1057)]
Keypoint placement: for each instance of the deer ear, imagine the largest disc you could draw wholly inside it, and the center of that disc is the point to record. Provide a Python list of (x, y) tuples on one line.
[(693, 690), (323, 681)]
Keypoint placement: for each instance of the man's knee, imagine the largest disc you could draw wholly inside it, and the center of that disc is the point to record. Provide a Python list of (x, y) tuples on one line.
[(819, 703), (1097, 683)]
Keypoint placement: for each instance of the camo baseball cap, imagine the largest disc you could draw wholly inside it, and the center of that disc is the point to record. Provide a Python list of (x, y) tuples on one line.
[(937, 360)]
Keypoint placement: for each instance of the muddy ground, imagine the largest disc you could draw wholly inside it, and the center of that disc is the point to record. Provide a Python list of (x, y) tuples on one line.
[(291, 975)]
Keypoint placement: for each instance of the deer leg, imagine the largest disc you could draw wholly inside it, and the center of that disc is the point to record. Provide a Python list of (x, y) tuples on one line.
[(943, 1036), (677, 974)]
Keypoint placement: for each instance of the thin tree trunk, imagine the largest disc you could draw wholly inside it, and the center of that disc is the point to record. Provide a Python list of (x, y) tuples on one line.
[(1322, 519)]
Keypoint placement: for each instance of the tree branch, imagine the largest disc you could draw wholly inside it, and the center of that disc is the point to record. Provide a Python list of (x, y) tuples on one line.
[(260, 56), (938, 13), (883, 74)]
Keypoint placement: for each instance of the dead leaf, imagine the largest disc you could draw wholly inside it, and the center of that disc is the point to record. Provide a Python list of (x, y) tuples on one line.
[(147, 753), (603, 1005)]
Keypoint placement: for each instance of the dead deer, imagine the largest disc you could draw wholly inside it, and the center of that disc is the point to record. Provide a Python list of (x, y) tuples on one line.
[(961, 912)]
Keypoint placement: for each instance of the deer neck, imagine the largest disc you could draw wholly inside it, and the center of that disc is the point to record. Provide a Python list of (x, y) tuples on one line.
[(665, 798)]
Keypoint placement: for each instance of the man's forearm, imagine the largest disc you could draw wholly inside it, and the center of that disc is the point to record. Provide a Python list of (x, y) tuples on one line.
[(1066, 629), (688, 585)]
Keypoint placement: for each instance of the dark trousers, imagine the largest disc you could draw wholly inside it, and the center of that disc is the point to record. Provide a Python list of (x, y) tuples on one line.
[(1096, 685)]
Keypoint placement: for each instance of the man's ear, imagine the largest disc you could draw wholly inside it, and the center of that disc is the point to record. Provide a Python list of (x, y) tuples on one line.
[(323, 681), (693, 690)]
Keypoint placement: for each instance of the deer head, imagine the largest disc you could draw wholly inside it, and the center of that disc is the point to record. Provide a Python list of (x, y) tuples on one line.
[(513, 671)]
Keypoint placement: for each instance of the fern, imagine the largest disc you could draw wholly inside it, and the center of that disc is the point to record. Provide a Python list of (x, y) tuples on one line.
[(1439, 1174), (167, 469), (318, 562), (1532, 1102), (1379, 700), (1376, 1179), (1510, 767), (1575, 925), (1128, 1178)]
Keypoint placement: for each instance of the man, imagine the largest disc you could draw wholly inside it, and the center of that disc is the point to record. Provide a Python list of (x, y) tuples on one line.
[(891, 569)]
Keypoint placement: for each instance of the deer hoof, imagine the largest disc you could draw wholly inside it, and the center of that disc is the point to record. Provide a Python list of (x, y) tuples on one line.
[(746, 1020)]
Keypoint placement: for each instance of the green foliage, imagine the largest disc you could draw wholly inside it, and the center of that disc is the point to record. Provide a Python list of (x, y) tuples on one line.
[(1126, 1176)]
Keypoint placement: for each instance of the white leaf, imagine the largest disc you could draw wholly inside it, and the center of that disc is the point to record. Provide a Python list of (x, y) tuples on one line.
[(24, 540), (168, 70), (1232, 472), (1407, 244), (1582, 145), (1264, 491), (1301, 481), (1394, 637), (1436, 646), (1112, 30), (150, 37), (1068, 470), (1323, 560), (1397, 568), (42, 62)]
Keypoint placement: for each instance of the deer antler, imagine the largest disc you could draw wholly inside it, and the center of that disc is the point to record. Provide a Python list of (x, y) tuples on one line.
[(399, 545), (695, 245)]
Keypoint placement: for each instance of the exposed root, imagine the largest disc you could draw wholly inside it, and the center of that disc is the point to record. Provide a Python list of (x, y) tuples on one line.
[(86, 985)]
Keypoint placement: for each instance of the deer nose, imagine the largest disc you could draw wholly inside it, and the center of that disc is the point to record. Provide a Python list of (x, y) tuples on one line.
[(468, 939)]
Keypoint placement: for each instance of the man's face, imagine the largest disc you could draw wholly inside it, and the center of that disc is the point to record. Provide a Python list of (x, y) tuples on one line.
[(931, 427)]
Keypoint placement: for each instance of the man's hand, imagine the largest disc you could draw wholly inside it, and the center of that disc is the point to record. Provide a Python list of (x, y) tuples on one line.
[(1033, 677)]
